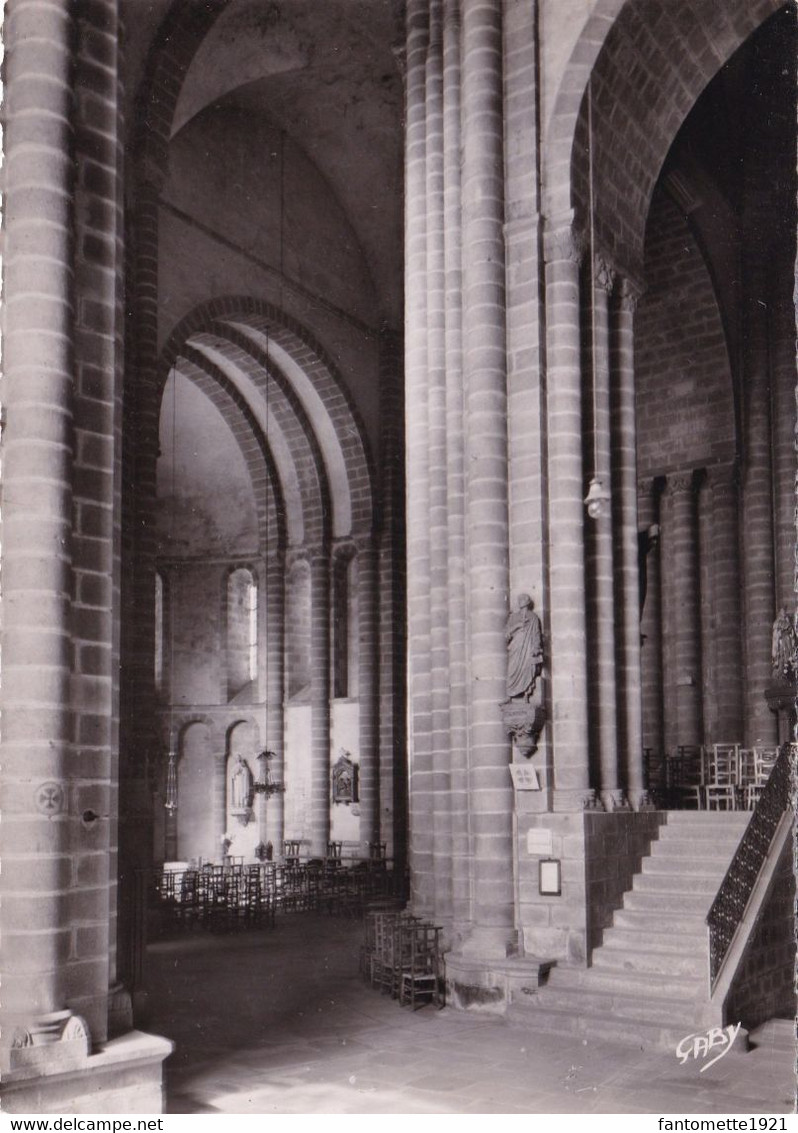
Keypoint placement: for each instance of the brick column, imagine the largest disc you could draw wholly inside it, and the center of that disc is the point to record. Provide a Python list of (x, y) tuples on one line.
[(625, 545), (275, 694), (455, 447), (41, 825), (367, 693), (438, 468), (598, 538), (683, 617), (484, 357), (725, 541), (757, 494), (320, 789), (392, 612), (417, 464), (568, 647), (651, 620)]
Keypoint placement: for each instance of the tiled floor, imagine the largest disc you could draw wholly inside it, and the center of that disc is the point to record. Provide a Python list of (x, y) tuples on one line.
[(280, 1022)]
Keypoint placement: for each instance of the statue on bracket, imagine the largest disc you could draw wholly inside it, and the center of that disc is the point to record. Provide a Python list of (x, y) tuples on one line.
[(523, 634), (784, 649), (345, 773)]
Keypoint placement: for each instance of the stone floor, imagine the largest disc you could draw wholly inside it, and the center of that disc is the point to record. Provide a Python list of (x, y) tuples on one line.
[(280, 1022)]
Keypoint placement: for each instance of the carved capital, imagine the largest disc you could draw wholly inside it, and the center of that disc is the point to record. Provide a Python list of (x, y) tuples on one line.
[(629, 294), (604, 273), (564, 243), (678, 483)]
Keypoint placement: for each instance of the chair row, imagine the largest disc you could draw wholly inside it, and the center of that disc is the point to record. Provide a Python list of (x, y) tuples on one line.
[(401, 956), (717, 777)]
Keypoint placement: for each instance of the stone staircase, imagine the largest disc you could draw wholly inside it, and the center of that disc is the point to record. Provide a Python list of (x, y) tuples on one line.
[(649, 978)]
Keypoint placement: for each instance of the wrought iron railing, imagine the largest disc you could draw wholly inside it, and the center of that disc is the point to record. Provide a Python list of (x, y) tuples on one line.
[(737, 886)]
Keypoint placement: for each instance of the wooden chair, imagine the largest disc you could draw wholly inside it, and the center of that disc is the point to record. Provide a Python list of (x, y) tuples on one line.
[(419, 979), (686, 778), (761, 765), (721, 777)]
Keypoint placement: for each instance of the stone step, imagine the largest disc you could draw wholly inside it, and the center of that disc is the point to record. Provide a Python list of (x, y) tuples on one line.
[(584, 1001), (712, 850), (687, 989), (703, 867), (672, 964), (703, 822), (634, 1032), (650, 920), (637, 939), (664, 901), (676, 883)]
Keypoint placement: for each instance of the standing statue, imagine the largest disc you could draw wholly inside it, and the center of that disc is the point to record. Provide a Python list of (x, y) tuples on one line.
[(524, 636), (241, 786), (784, 648)]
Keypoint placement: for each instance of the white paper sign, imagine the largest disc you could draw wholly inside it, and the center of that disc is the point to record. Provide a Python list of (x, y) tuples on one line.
[(538, 842)]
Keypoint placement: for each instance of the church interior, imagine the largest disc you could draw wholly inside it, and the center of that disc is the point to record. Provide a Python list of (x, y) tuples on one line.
[(399, 482)]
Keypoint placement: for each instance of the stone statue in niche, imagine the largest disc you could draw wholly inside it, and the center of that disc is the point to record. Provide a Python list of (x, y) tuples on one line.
[(784, 649), (345, 779), (241, 786), (523, 634)]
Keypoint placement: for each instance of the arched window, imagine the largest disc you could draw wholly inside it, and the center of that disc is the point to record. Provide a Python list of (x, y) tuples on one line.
[(242, 631)]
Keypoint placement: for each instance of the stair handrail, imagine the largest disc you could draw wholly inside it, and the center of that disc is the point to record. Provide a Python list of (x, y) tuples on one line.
[(734, 893)]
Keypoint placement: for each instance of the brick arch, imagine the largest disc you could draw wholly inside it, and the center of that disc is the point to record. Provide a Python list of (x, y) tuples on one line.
[(269, 501), (177, 41), (649, 62), (277, 417), (251, 317)]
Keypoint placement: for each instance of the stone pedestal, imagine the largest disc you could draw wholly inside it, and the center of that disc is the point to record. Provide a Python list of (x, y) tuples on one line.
[(491, 987), (780, 695)]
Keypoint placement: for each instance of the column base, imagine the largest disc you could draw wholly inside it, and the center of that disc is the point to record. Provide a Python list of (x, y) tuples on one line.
[(491, 986), (614, 800), (570, 802), (490, 943), (123, 1076)]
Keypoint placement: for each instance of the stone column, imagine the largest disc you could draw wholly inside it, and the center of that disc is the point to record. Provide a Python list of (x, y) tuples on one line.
[(275, 694), (41, 827), (683, 618), (568, 647), (625, 545), (484, 357), (417, 463), (725, 541), (320, 789), (455, 448), (601, 604), (367, 693), (438, 469), (651, 619)]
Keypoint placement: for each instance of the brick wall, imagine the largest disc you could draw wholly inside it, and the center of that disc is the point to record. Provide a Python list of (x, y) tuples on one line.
[(685, 411), (764, 986)]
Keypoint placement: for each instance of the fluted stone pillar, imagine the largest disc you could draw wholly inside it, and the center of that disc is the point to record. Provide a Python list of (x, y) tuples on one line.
[(568, 647), (626, 545), (599, 538), (320, 788), (725, 540), (683, 617), (491, 796)]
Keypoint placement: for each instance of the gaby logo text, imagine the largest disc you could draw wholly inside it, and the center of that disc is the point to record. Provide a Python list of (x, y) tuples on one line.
[(704, 1043)]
